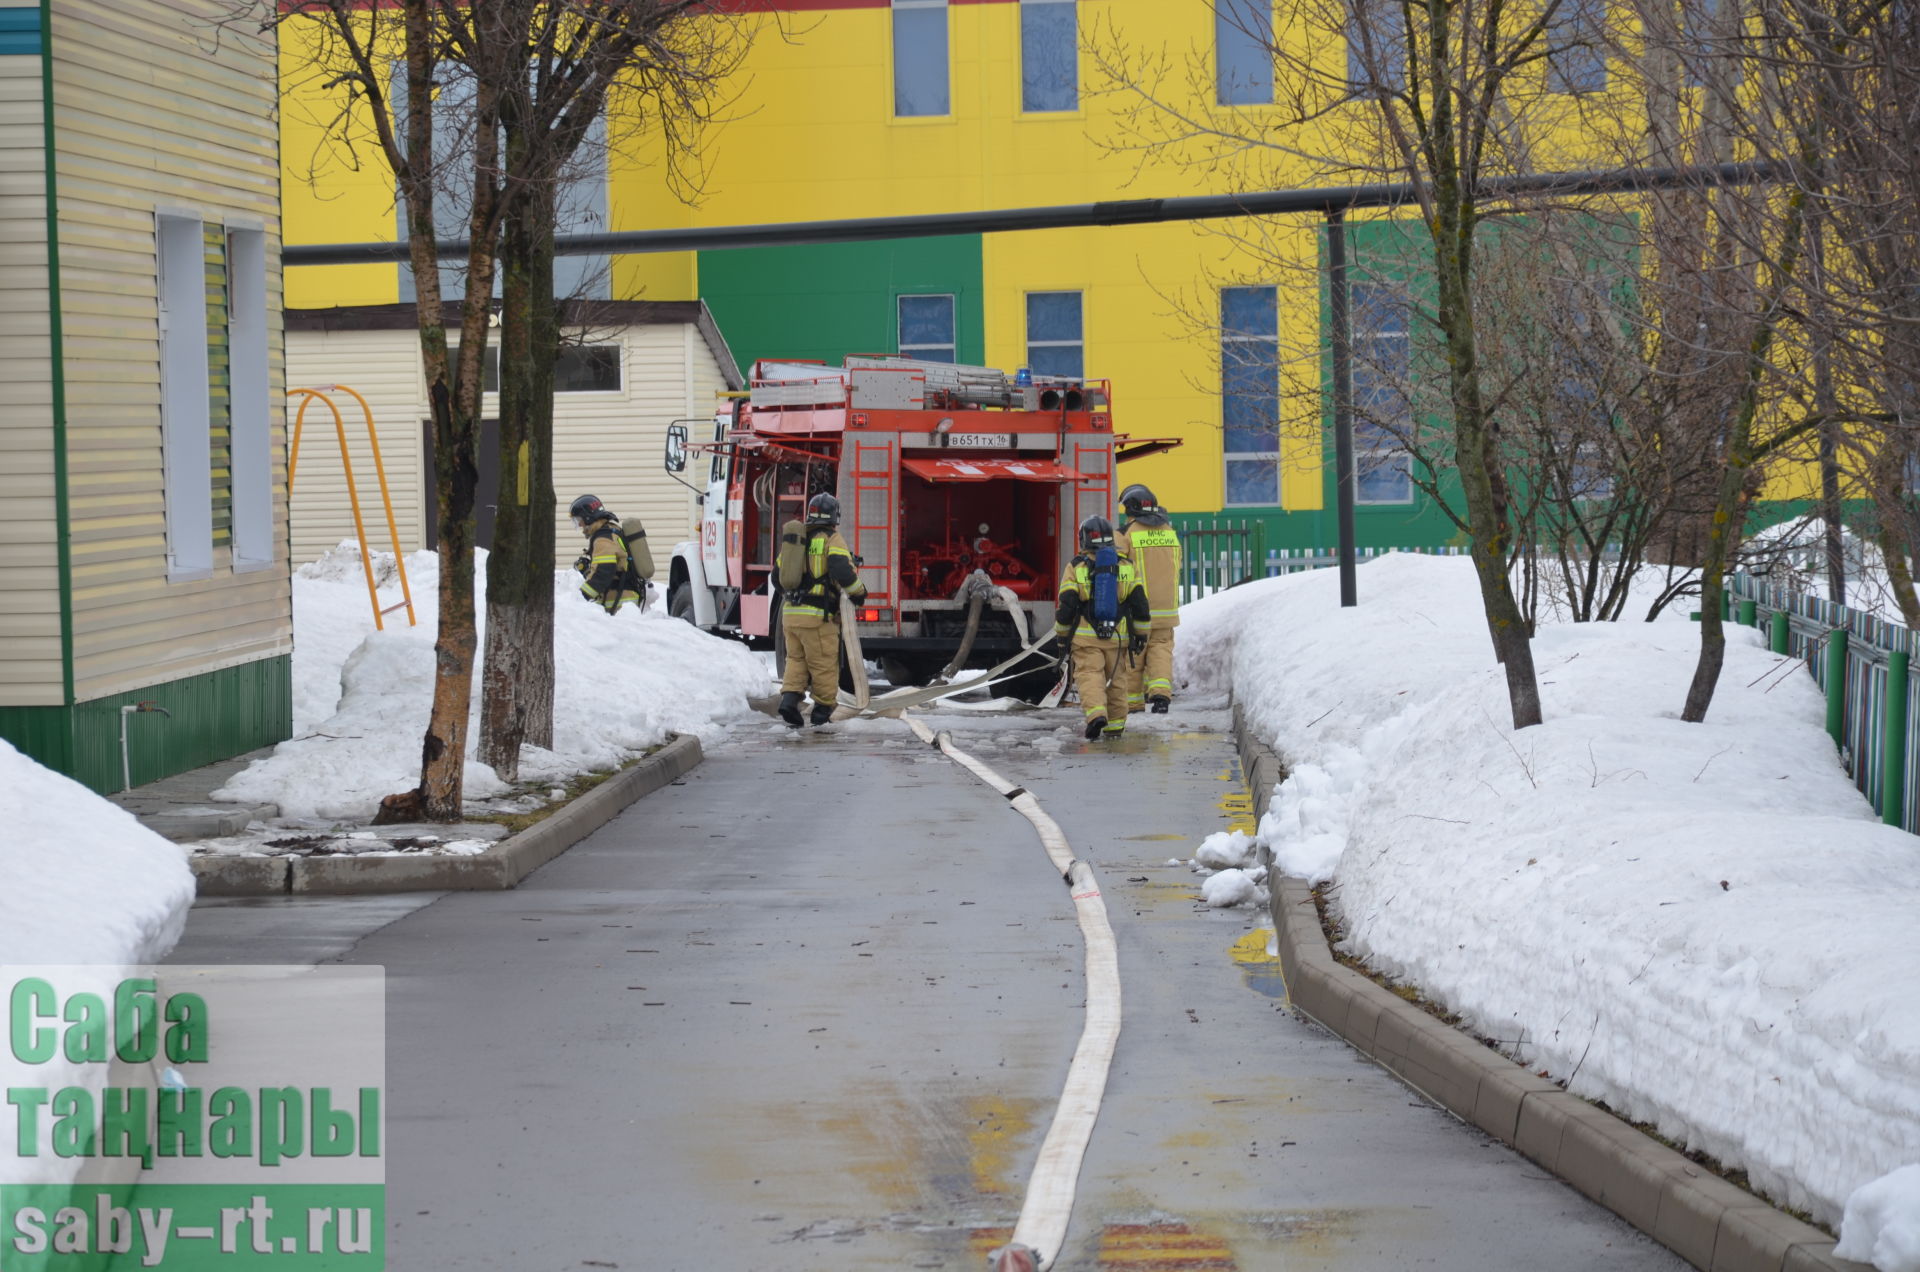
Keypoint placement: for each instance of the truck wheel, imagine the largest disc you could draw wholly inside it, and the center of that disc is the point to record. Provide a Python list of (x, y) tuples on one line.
[(680, 602), (901, 672)]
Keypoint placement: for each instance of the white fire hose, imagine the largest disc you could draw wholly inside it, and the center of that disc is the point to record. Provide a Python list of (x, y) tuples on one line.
[(1041, 1231)]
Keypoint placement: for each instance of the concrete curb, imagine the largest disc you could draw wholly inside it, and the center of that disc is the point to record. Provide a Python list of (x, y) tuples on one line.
[(502, 865), (1687, 1208)]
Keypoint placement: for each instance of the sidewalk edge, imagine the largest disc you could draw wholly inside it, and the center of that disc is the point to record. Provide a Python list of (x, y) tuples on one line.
[(502, 865), (1687, 1208)]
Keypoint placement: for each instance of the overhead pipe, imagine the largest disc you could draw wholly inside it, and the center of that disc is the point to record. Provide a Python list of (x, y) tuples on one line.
[(1202, 207)]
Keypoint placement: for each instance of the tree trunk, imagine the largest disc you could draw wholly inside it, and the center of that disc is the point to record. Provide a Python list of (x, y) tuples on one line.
[(517, 683), (1900, 575), (454, 399), (1473, 458)]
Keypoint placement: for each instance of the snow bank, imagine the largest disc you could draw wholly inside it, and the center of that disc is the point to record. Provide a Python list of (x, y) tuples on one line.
[(1882, 1223), (361, 697), (85, 884), (1702, 925)]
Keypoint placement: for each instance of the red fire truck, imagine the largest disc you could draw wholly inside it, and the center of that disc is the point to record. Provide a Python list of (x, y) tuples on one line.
[(943, 472)]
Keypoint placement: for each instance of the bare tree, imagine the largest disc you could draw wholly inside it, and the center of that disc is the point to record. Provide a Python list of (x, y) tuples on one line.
[(1444, 94), (654, 65), (356, 49)]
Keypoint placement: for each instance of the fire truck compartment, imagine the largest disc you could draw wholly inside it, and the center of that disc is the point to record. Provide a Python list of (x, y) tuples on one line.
[(1006, 525)]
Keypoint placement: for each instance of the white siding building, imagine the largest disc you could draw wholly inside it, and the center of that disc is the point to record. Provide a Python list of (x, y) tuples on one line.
[(631, 368), (142, 476)]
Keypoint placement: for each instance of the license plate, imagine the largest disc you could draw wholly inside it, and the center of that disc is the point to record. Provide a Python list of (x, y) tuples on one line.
[(979, 439)]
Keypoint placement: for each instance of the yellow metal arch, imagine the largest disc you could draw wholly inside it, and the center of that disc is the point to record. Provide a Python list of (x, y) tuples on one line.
[(323, 393)]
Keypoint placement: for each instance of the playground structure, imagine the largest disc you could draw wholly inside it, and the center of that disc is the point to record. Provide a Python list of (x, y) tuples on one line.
[(323, 393)]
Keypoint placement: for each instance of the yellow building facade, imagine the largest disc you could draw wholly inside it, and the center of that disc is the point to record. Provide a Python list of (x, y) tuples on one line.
[(874, 108)]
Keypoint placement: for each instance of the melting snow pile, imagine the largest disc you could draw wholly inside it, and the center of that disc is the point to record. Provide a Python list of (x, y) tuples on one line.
[(1703, 925), (1882, 1224), (361, 697), (84, 884)]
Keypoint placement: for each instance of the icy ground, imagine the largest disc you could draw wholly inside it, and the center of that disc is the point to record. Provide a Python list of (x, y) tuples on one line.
[(1702, 925), (361, 697), (84, 883)]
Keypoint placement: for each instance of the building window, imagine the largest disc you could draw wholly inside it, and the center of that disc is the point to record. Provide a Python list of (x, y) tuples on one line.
[(578, 369), (1250, 394), (580, 197), (1243, 51), (926, 328), (1709, 30), (1376, 46), (251, 446), (1382, 407), (1056, 342), (1049, 55), (185, 395), (1576, 48), (920, 57), (213, 240)]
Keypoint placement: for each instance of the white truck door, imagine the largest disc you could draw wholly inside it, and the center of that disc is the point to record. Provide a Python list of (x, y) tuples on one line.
[(713, 513)]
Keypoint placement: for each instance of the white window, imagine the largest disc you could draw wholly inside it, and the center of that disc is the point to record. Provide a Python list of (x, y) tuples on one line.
[(1382, 401), (1049, 55), (920, 58), (927, 328), (252, 428), (577, 368), (186, 444), (1250, 394), (1055, 334)]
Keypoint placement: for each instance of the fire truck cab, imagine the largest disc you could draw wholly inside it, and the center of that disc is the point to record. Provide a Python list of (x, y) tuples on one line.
[(943, 472)]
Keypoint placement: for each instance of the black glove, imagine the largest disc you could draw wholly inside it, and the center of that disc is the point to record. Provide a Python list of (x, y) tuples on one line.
[(583, 564), (1137, 644)]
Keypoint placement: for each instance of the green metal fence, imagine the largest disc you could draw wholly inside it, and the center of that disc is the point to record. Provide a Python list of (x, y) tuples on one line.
[(1860, 662), (1221, 552)]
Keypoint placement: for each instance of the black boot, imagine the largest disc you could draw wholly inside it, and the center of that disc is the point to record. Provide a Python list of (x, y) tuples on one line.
[(1095, 727), (790, 709), (822, 713), (1160, 704)]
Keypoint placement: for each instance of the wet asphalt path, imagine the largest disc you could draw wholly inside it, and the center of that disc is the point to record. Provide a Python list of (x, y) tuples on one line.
[(810, 1008)]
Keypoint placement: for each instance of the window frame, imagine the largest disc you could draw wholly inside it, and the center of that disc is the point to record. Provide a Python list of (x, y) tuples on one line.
[(1080, 316), (1585, 22), (1362, 455), (953, 321), (1026, 108), (1272, 342), (894, 9), (490, 368), (250, 399), (186, 447), (1396, 69), (1225, 28)]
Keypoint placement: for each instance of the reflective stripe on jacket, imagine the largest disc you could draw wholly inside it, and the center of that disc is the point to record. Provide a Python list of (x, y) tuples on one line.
[(607, 560), (829, 572), (1076, 594), (1156, 550)]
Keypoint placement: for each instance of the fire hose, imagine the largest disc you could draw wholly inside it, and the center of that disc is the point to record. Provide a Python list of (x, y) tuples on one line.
[(1042, 1227), (900, 699)]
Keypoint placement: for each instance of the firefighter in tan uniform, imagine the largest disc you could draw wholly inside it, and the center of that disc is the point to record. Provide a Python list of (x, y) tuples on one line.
[(609, 576), (1149, 540), (1094, 640), (810, 615)]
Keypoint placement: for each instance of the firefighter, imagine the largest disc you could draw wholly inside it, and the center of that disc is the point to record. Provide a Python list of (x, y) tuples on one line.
[(1149, 540), (810, 615), (1095, 641), (605, 568)]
